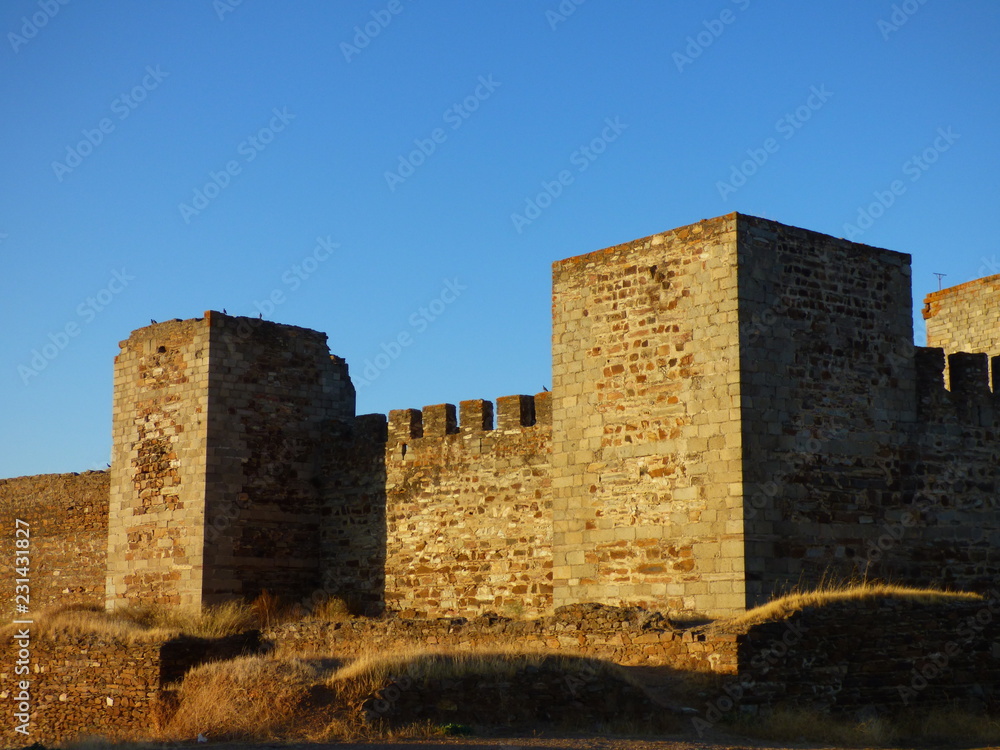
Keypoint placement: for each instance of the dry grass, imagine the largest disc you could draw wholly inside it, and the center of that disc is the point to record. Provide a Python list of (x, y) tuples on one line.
[(369, 672), (331, 610), (152, 622), (830, 593), (268, 698), (798, 725), (251, 698), (138, 623), (940, 728)]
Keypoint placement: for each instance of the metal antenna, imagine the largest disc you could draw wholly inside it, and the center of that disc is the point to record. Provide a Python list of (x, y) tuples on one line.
[(940, 276)]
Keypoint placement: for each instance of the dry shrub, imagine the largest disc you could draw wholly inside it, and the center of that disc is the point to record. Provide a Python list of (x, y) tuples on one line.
[(249, 698), (331, 610)]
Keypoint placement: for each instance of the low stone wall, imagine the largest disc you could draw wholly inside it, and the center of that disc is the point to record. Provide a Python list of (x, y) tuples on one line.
[(870, 656), (76, 685), (85, 684), (855, 657), (632, 637)]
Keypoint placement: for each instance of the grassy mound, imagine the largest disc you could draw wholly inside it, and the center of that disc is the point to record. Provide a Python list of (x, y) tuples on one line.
[(410, 693), (783, 606)]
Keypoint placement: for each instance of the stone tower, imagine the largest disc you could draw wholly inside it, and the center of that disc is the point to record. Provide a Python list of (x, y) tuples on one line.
[(723, 394), (216, 430)]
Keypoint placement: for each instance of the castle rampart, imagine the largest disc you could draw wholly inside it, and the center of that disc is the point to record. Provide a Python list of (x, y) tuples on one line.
[(737, 407), (468, 508)]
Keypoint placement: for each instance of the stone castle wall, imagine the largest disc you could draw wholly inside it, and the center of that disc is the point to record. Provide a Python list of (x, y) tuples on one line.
[(67, 522), (279, 391), (217, 434), (79, 685), (948, 531), (353, 529), (468, 508)]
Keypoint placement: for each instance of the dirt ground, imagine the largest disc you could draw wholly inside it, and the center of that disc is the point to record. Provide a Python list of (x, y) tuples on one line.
[(552, 742)]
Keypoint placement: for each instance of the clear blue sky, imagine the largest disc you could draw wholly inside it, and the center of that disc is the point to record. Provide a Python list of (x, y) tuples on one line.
[(307, 122)]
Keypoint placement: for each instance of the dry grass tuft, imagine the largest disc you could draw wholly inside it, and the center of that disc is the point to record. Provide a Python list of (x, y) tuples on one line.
[(141, 623), (78, 619), (248, 698), (830, 593), (331, 610)]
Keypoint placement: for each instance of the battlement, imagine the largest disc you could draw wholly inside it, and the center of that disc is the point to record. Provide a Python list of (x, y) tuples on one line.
[(963, 318), (968, 398), (473, 417)]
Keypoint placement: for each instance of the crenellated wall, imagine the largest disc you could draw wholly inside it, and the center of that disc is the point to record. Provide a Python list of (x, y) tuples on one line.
[(469, 509), (963, 318), (952, 469)]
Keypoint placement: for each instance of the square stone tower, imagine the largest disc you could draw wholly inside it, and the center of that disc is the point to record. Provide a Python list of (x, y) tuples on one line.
[(217, 430), (727, 399)]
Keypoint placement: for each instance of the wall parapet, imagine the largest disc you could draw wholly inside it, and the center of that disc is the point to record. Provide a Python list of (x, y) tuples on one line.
[(971, 398), (513, 413)]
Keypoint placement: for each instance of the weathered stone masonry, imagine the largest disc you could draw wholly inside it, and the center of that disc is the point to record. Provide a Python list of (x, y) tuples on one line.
[(737, 406)]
